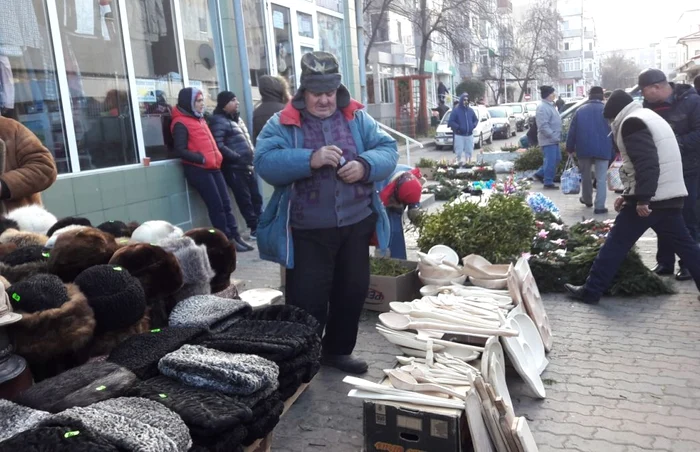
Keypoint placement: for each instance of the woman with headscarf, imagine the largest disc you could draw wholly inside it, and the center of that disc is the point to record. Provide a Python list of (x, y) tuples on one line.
[(195, 146)]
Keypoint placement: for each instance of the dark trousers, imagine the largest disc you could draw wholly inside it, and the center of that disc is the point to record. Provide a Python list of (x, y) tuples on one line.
[(330, 280), (245, 190), (628, 228), (211, 186), (665, 254)]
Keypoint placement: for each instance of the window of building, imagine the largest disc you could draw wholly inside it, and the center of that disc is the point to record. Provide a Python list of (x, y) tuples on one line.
[(333, 5), (386, 84), (255, 44), (566, 46), (398, 29), (28, 84), (331, 38), (573, 64), (305, 23), (382, 27), (284, 51), (98, 83), (157, 69), (590, 46)]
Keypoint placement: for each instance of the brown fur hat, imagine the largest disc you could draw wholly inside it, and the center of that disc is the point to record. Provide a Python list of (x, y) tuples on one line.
[(23, 238), (157, 269), (221, 253), (6, 248), (79, 250)]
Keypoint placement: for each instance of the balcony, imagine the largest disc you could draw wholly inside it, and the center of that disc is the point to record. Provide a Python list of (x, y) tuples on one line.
[(590, 75), (571, 33), (574, 75), (589, 54), (567, 54)]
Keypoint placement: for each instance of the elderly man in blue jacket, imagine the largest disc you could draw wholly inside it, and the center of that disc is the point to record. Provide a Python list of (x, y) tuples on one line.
[(590, 139), (463, 122), (325, 155)]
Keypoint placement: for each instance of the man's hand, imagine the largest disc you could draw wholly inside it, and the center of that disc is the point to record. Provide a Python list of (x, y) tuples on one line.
[(352, 172), (326, 156), (619, 203), (643, 210)]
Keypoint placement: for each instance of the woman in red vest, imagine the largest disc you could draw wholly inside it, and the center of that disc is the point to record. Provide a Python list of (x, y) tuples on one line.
[(196, 147)]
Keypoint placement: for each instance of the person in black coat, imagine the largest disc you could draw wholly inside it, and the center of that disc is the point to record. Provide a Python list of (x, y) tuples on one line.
[(233, 141), (275, 96)]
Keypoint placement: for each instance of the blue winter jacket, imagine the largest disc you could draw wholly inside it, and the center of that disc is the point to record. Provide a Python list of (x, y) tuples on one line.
[(280, 160), (589, 133), (463, 119)]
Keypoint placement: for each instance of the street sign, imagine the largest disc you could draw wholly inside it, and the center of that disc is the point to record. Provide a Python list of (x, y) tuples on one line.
[(527, 97)]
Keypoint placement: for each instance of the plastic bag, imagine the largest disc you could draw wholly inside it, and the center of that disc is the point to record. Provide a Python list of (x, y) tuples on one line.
[(503, 167), (614, 180), (571, 178)]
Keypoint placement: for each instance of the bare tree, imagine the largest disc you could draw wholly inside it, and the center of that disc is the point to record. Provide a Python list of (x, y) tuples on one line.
[(374, 11), (617, 71), (536, 50), (495, 74)]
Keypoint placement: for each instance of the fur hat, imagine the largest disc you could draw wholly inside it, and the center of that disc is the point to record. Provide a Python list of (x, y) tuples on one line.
[(286, 313), (118, 228), (116, 297), (32, 218), (6, 248), (141, 353), (229, 373), (16, 418), (23, 238), (51, 242), (25, 255), (80, 386), (6, 223), (103, 343), (38, 293), (231, 293), (221, 253), (194, 263), (155, 231), (24, 263), (78, 250), (58, 438), (68, 221), (208, 311), (157, 269)]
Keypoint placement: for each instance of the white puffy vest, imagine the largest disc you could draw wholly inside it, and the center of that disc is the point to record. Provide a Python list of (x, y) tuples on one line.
[(670, 184)]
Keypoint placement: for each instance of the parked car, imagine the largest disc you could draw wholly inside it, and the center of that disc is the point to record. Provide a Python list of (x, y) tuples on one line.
[(483, 133), (504, 123), (520, 115), (531, 108)]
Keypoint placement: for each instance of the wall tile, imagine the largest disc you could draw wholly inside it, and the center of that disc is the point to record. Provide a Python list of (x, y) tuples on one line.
[(178, 208), (96, 218), (157, 180), (58, 199), (136, 185), (86, 192), (120, 213), (113, 189), (159, 209), (139, 212)]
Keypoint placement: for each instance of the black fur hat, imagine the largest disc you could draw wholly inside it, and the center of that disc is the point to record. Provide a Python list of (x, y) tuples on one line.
[(68, 221)]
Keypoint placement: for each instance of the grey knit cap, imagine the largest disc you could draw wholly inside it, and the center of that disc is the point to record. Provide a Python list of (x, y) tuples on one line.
[(15, 418), (132, 423), (229, 373), (208, 311), (194, 262)]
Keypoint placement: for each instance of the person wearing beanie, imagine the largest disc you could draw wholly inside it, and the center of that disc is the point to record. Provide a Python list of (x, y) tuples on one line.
[(325, 157), (653, 195), (589, 138), (679, 105), (196, 147), (231, 135), (400, 191), (548, 136), (221, 253)]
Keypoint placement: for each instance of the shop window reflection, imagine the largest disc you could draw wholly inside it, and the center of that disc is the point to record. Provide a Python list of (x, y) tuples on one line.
[(255, 44), (283, 44)]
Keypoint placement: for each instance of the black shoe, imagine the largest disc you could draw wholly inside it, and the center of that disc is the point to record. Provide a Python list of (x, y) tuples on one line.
[(662, 270), (600, 211), (579, 293), (584, 202), (241, 245), (539, 178), (683, 275), (551, 187), (346, 363)]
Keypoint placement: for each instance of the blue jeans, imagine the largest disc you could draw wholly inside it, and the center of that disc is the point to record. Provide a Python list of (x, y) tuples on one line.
[(464, 146), (665, 255), (552, 157), (397, 242), (628, 228), (211, 186)]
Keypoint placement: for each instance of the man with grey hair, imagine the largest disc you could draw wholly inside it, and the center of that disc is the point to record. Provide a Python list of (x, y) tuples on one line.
[(324, 155)]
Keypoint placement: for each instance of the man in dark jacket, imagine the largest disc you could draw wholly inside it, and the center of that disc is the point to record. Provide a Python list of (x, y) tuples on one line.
[(233, 142), (589, 138), (462, 121), (696, 82), (679, 105), (274, 92)]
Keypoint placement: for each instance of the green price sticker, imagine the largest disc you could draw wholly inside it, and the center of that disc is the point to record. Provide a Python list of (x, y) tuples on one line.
[(15, 296), (156, 330), (101, 388), (46, 255), (213, 231), (163, 396), (117, 269), (71, 434)]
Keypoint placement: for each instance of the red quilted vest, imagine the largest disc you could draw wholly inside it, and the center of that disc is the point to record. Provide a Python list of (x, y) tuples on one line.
[(199, 139)]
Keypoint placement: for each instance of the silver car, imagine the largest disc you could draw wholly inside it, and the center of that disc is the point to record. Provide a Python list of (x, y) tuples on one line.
[(504, 122), (520, 115)]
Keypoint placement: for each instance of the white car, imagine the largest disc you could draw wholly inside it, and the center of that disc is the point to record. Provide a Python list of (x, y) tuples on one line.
[(483, 132)]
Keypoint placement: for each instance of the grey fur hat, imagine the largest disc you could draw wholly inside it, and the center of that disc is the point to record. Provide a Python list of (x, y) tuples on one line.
[(208, 311), (133, 423), (194, 262), (16, 418), (229, 373)]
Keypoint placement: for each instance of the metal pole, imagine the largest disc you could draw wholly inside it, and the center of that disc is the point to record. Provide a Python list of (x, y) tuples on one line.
[(408, 153), (243, 61), (360, 23)]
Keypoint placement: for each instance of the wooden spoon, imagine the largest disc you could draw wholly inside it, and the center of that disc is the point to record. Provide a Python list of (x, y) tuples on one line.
[(402, 380), (402, 322)]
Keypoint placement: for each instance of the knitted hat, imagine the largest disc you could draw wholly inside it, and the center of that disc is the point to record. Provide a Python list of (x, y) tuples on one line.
[(78, 250), (230, 440), (616, 103), (32, 218), (205, 368), (58, 438), (157, 269), (6, 223), (38, 293), (285, 312), (68, 221), (266, 416), (221, 253), (118, 228), (52, 240), (546, 91), (141, 353), (208, 311), (596, 91), (206, 413), (80, 386), (16, 418), (116, 297), (154, 232), (23, 238), (223, 99), (194, 263)]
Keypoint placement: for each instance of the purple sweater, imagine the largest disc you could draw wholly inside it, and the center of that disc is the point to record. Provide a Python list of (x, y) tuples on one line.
[(323, 200)]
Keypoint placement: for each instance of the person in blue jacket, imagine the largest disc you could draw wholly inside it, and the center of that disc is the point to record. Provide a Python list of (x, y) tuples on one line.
[(463, 121), (324, 155), (590, 139)]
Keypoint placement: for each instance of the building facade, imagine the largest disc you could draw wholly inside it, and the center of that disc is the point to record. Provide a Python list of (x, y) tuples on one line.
[(578, 54), (96, 82)]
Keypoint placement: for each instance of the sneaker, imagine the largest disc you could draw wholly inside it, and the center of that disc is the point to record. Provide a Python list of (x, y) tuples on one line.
[(600, 211), (551, 187), (346, 363), (253, 234), (241, 245), (587, 204)]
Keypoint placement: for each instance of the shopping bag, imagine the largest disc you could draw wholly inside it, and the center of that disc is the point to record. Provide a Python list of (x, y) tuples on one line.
[(571, 178), (614, 180)]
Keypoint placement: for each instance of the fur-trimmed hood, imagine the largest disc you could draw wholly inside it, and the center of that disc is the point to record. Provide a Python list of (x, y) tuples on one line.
[(33, 218), (23, 238), (221, 254)]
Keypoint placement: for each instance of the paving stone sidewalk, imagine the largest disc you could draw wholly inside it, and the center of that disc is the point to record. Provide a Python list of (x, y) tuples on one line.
[(623, 375)]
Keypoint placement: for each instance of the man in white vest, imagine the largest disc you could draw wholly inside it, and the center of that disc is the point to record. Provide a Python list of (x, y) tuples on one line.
[(653, 197)]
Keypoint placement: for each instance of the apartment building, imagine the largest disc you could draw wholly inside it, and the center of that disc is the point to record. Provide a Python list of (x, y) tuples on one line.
[(579, 66)]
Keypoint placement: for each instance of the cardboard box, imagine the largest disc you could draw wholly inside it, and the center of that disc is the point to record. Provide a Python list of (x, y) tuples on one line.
[(401, 427), (385, 289)]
